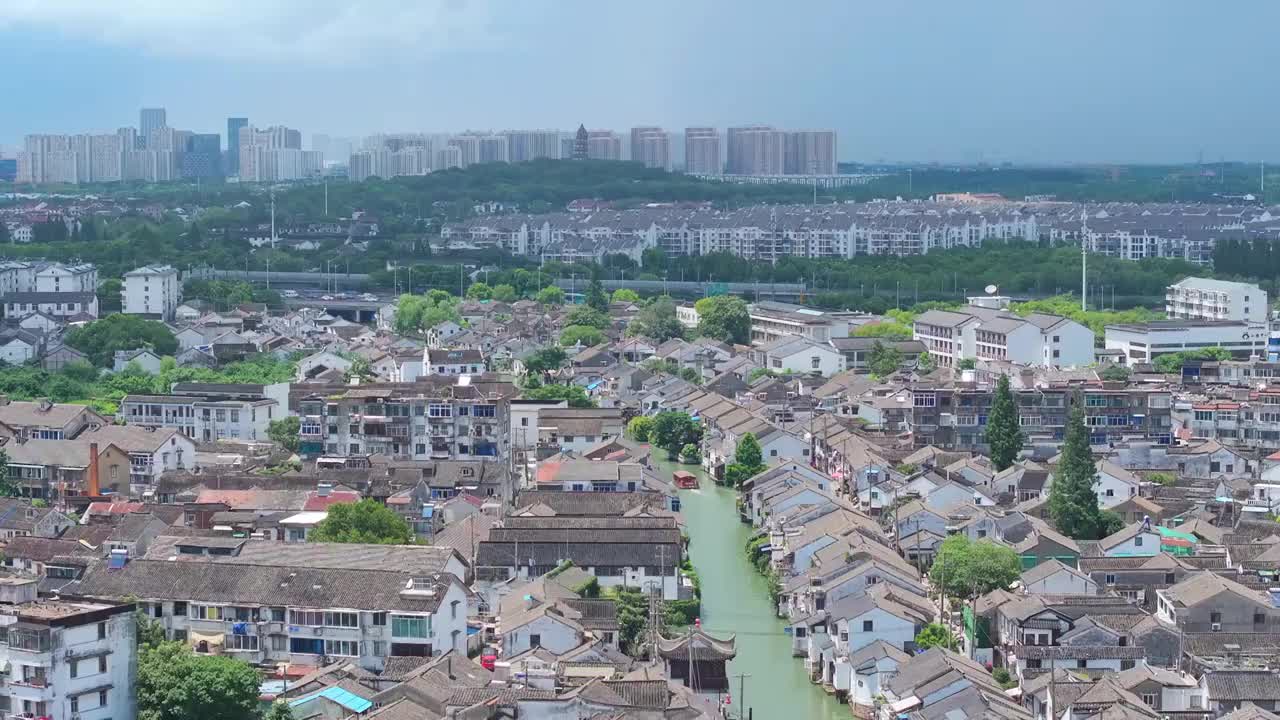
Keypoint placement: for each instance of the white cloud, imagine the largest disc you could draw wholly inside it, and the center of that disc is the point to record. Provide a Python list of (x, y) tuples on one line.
[(312, 32)]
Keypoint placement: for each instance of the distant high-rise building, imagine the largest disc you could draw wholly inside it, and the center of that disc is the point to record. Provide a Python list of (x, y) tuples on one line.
[(276, 154), (756, 150), (566, 147), (651, 146), (702, 151), (202, 156), (234, 126), (468, 149), (446, 157), (604, 145), (637, 133), (525, 145), (580, 143), (810, 152), (493, 148), (149, 120)]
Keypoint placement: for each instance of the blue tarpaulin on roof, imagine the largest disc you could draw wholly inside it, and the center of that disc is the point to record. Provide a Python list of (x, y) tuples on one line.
[(594, 385), (345, 698)]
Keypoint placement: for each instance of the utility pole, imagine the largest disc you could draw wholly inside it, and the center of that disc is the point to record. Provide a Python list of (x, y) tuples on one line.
[(1084, 263), (742, 695)]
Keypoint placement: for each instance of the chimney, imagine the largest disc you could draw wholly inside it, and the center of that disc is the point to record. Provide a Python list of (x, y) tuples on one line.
[(93, 470)]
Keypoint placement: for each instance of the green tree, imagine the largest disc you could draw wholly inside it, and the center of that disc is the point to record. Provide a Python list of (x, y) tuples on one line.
[(550, 295), (640, 428), (1004, 434), (415, 314), (724, 318), (625, 295), (1115, 372), (596, 298), (173, 683), (574, 394), (109, 300), (545, 360), (966, 364), (279, 710), (657, 320), (284, 432), (367, 521), (149, 633), (925, 363), (479, 291), (8, 488), (673, 430), (588, 316), (100, 339), (585, 334), (936, 635), (1073, 500), (505, 293), (965, 569), (748, 461), (884, 360), (689, 454), (1171, 363), (886, 330)]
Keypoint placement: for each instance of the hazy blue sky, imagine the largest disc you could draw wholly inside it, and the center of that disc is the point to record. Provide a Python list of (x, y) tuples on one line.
[(1077, 81)]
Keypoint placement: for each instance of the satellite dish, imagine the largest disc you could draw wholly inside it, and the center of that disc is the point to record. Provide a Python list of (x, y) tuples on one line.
[(991, 289)]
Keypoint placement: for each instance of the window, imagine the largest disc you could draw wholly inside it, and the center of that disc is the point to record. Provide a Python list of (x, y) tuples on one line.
[(343, 648), (75, 668), (1082, 663), (379, 619), (102, 631), (1111, 579), (75, 703), (1168, 579), (409, 626), (179, 608), (1137, 541), (102, 698), (247, 643), (206, 612), (1259, 619), (440, 411), (1149, 699), (484, 411), (801, 631), (1033, 663), (867, 625), (535, 640), (815, 362), (102, 663), (1215, 617)]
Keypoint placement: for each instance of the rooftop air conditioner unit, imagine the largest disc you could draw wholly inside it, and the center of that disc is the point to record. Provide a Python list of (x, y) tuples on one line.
[(1216, 627)]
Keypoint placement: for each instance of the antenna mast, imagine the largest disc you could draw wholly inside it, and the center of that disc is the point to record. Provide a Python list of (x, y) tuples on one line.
[(1084, 262)]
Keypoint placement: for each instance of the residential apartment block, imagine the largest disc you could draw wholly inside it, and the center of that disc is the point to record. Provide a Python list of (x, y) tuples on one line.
[(66, 659), (994, 335), (429, 419), (209, 412), (1207, 299), (771, 321), (153, 291), (268, 603), (954, 415)]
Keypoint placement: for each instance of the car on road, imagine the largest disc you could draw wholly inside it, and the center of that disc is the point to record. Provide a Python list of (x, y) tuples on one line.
[(326, 297)]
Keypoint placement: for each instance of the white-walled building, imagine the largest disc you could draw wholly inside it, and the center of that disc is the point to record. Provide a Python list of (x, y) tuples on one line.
[(996, 335), (1143, 342), (59, 278), (1207, 299), (153, 291), (66, 659)]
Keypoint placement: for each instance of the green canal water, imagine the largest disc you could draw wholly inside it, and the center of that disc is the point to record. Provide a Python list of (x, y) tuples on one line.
[(735, 600)]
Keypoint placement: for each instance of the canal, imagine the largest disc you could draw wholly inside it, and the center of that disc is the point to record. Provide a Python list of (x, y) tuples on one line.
[(735, 600)]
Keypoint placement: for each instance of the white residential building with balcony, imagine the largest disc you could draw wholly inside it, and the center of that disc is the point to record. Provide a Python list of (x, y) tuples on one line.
[(66, 659), (153, 291), (996, 335), (1206, 299)]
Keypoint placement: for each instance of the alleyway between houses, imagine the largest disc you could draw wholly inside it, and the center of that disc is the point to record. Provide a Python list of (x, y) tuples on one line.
[(735, 600)]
